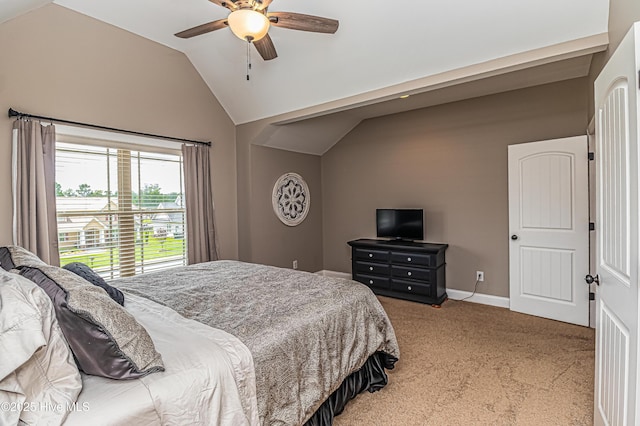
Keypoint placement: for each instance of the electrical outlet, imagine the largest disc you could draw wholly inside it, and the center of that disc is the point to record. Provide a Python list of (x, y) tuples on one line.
[(479, 276), (295, 264)]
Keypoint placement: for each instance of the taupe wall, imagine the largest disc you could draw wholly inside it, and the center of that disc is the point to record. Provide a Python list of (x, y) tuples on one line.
[(273, 242), (262, 238), (450, 160), (60, 63)]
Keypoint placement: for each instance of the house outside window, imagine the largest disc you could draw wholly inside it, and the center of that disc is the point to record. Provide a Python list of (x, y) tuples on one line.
[(120, 211)]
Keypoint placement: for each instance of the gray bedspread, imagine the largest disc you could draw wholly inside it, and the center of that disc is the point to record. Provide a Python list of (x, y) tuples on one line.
[(306, 332)]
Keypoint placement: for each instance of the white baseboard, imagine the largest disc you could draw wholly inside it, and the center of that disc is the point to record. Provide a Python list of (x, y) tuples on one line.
[(485, 299)]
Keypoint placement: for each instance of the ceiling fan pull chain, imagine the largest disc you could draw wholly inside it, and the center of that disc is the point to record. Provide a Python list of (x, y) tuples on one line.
[(248, 57)]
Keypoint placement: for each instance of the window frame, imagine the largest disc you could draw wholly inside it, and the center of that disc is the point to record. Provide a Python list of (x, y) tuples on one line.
[(136, 242)]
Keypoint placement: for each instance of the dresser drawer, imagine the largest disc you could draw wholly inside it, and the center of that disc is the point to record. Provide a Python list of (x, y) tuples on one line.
[(413, 273), (372, 268), (372, 281), (414, 259), (411, 287), (375, 255)]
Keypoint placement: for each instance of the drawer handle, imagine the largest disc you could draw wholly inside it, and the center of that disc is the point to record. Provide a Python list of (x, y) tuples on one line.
[(370, 254), (370, 281), (371, 268), (409, 274), (409, 288), (408, 259)]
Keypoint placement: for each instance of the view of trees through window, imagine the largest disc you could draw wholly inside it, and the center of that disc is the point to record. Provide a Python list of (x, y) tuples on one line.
[(121, 212)]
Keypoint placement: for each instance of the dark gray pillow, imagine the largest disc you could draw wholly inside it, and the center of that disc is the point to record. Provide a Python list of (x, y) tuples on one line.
[(5, 259), (90, 275), (105, 339)]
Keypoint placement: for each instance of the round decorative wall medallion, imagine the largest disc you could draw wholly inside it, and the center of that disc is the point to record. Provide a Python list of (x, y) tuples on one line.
[(291, 199)]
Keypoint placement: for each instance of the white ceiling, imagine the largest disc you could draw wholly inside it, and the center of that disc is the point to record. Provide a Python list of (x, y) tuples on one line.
[(381, 49), (12, 8)]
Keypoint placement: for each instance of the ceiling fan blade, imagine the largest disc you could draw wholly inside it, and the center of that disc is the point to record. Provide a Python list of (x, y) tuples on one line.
[(298, 21), (203, 29), (265, 48), (263, 4), (228, 4)]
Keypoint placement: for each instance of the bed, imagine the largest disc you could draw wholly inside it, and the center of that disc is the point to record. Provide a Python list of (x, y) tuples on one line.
[(208, 378), (245, 344)]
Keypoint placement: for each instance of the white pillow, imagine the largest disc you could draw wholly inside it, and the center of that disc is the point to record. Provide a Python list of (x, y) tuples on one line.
[(39, 380)]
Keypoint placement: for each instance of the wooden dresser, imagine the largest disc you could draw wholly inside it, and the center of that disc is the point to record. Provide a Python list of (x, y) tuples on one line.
[(401, 269)]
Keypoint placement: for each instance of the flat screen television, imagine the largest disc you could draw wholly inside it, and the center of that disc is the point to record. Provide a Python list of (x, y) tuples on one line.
[(400, 224)]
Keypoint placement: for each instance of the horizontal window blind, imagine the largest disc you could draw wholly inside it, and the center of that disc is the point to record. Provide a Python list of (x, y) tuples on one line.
[(119, 211)]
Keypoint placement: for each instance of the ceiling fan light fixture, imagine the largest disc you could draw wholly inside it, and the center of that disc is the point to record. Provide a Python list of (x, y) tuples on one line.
[(248, 24)]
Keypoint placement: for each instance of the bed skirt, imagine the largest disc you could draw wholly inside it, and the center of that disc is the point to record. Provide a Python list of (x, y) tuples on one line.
[(371, 377)]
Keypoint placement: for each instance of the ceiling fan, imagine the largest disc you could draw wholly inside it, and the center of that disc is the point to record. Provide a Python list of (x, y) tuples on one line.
[(250, 21)]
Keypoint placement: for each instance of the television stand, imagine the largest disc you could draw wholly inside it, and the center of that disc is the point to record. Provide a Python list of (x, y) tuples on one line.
[(402, 269)]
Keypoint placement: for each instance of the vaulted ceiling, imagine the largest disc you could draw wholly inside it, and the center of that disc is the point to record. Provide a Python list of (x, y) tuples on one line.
[(436, 50)]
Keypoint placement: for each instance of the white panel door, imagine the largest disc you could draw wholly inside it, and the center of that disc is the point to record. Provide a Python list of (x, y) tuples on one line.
[(616, 100), (549, 229)]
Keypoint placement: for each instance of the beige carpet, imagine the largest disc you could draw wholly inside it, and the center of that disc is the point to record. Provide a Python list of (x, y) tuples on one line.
[(471, 364)]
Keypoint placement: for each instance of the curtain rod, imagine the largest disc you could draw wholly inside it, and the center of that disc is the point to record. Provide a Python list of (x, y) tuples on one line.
[(14, 113)]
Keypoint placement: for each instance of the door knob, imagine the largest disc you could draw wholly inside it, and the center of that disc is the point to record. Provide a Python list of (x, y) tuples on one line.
[(591, 279), (514, 237)]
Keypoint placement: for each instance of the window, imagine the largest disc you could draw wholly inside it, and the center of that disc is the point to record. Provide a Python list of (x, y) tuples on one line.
[(119, 211)]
